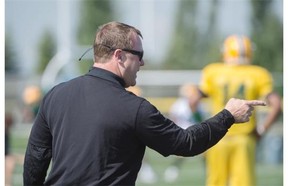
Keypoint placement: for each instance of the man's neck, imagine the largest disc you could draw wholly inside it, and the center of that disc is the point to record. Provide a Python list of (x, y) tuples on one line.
[(109, 66)]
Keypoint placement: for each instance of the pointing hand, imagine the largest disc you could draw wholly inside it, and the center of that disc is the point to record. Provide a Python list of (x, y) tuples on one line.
[(242, 109)]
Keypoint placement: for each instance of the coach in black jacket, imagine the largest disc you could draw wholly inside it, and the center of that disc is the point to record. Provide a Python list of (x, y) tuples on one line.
[(96, 132)]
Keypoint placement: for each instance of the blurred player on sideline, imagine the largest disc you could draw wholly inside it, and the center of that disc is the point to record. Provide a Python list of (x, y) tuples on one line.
[(184, 114), (232, 160), (31, 97)]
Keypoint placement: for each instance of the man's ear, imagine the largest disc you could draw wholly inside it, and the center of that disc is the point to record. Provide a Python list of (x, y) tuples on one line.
[(118, 55)]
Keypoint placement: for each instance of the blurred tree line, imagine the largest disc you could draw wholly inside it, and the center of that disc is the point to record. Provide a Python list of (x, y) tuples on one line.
[(47, 49), (267, 33), (93, 14), (190, 47), (10, 56)]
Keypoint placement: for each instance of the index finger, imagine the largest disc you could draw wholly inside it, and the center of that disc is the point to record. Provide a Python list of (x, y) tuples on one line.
[(256, 103)]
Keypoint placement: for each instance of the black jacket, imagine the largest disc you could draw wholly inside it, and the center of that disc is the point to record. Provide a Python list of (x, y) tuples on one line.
[(96, 133)]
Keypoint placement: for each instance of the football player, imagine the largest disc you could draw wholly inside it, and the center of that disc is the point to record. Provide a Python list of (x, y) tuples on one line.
[(232, 160)]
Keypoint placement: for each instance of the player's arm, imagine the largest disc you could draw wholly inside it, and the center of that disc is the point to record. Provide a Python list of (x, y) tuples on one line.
[(195, 99), (274, 102)]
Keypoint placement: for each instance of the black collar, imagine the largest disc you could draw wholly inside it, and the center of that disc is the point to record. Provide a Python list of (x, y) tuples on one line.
[(107, 75)]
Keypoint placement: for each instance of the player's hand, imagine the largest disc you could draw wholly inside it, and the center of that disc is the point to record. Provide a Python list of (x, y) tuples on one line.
[(242, 109), (257, 134)]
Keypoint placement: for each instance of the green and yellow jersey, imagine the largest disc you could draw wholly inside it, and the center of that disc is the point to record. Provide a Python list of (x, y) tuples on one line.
[(221, 82)]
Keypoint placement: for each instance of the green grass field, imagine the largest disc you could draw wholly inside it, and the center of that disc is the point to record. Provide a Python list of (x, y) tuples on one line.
[(192, 171)]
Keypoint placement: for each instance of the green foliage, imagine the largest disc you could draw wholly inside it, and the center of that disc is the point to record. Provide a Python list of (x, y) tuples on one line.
[(267, 34), (93, 14), (185, 37), (47, 49), (10, 60), (190, 47)]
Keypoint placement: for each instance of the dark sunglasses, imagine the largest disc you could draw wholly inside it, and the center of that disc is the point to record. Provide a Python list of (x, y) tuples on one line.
[(134, 52)]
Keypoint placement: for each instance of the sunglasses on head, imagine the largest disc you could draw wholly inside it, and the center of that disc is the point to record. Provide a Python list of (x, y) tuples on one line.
[(134, 52)]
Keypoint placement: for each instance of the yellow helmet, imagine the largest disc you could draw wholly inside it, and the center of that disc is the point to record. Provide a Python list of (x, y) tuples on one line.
[(237, 50)]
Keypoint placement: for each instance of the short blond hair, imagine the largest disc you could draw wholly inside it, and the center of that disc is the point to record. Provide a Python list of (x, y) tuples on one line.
[(113, 35)]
